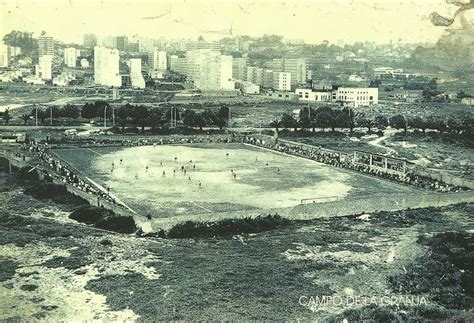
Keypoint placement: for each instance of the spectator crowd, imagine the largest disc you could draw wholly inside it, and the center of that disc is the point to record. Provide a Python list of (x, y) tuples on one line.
[(59, 171), (342, 160)]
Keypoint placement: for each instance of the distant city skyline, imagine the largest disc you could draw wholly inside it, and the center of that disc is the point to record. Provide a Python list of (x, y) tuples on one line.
[(344, 21)]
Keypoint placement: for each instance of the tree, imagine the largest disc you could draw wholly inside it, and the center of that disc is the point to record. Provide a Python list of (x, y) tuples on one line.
[(287, 121), (25, 117), (224, 113), (275, 124), (123, 113), (89, 111), (155, 118), (375, 83), (436, 123), (200, 121), (189, 118), (167, 115), (380, 122), (70, 111), (305, 117), (366, 123), (398, 122), (454, 125), (417, 123), (139, 116), (343, 119), (24, 40), (6, 116), (41, 114), (462, 94), (325, 118), (101, 108), (209, 117)]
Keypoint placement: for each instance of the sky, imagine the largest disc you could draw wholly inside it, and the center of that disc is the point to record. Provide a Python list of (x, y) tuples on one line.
[(337, 21)]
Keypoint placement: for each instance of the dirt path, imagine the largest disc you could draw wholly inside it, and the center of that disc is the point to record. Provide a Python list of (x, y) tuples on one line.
[(377, 142)]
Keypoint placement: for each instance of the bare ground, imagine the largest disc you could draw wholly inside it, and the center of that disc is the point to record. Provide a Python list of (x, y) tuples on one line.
[(56, 269)]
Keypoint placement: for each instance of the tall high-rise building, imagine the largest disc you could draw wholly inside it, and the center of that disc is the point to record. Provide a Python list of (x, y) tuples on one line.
[(296, 66), (160, 60), (121, 42), (4, 55), (90, 40), (179, 64), (210, 70), (106, 67), (136, 76), (70, 56), (146, 45), (45, 45), (239, 68), (267, 79), (45, 67), (201, 44), (282, 81), (158, 63)]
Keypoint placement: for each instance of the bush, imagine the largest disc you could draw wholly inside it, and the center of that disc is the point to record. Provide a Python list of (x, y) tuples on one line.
[(28, 174), (227, 227), (90, 214), (104, 219), (447, 273), (121, 224)]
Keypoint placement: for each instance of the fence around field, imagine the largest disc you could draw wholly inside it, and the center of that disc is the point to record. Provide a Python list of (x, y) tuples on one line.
[(342, 207), (370, 204)]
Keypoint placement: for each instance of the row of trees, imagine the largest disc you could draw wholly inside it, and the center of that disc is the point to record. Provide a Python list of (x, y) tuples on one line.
[(137, 115), (322, 117), (24, 40), (326, 117), (143, 116)]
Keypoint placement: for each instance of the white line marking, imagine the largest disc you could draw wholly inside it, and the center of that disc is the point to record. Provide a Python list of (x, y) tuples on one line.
[(202, 207), (110, 194), (95, 152)]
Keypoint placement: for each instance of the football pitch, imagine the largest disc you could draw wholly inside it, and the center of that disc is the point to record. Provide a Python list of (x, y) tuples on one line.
[(173, 180)]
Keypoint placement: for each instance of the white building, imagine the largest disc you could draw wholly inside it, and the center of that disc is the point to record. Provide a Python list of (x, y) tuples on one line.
[(356, 96), (64, 78), (282, 81), (45, 67), (4, 55), (239, 68), (136, 76), (250, 88), (158, 64), (296, 66), (84, 63), (45, 45), (381, 71), (70, 56), (468, 101), (35, 80), (179, 64), (106, 67), (314, 95), (210, 70)]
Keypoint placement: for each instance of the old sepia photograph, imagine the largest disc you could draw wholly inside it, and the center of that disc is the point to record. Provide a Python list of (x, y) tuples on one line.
[(236, 160)]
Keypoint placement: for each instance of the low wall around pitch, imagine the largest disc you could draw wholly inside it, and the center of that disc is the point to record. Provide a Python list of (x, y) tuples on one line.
[(393, 202)]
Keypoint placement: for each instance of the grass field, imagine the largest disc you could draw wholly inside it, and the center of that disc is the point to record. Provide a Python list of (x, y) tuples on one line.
[(264, 180)]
